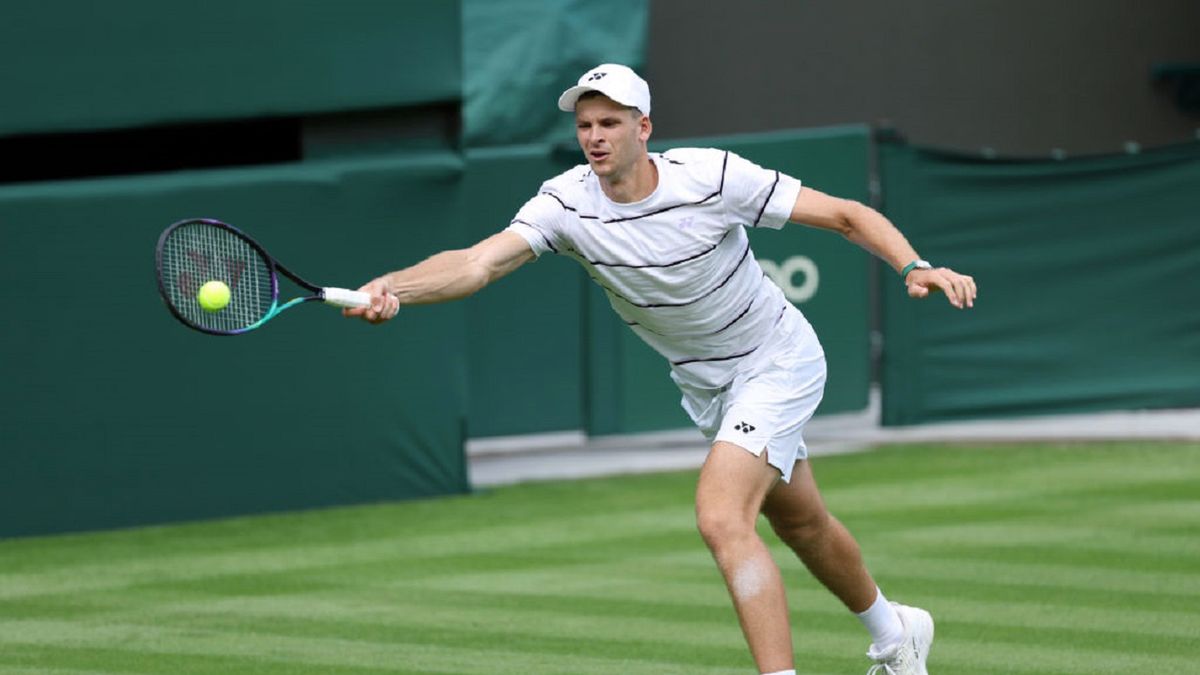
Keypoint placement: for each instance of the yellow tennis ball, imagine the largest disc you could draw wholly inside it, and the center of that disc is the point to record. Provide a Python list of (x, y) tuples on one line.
[(213, 296)]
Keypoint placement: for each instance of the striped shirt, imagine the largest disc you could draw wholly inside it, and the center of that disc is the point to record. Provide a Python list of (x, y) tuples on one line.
[(676, 266)]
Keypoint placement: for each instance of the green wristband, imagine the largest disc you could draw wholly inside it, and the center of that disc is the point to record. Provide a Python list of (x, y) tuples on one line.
[(918, 263)]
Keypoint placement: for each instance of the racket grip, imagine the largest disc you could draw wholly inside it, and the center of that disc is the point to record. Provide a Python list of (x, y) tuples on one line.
[(343, 297)]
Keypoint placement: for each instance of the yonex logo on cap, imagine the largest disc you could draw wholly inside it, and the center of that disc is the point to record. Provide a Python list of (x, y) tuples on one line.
[(615, 81)]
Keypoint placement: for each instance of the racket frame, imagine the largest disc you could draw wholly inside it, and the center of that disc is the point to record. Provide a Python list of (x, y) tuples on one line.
[(274, 267)]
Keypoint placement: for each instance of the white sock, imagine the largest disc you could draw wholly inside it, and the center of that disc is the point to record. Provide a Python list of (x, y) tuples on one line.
[(882, 622), (782, 672)]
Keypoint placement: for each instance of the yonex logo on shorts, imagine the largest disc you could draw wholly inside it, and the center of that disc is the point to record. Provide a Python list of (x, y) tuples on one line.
[(744, 427)]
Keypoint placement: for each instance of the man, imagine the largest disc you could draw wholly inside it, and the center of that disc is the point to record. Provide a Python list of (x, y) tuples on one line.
[(664, 235)]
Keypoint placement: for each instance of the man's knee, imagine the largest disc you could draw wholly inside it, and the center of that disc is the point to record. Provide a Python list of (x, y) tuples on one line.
[(801, 531), (720, 527)]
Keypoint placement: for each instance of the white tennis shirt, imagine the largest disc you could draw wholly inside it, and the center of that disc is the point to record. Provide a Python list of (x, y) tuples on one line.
[(676, 266)]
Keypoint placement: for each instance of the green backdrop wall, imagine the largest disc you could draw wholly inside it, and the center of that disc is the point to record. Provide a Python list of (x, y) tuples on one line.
[(519, 55), (526, 345), (1087, 272), (113, 414), (139, 62)]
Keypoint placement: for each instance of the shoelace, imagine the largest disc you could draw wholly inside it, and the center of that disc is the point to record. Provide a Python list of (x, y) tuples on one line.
[(899, 660)]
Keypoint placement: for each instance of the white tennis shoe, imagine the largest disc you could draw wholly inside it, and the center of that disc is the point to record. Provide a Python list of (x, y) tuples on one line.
[(908, 656)]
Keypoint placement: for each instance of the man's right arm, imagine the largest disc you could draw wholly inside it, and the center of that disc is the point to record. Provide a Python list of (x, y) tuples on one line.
[(446, 276)]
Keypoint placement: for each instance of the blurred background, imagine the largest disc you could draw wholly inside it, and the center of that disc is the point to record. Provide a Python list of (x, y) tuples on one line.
[(1048, 149)]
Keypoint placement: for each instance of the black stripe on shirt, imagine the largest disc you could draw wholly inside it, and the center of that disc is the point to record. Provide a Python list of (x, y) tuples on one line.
[(735, 319), (662, 210), (768, 200), (718, 358), (720, 189), (538, 230), (715, 332), (670, 264), (732, 356), (569, 208), (745, 254)]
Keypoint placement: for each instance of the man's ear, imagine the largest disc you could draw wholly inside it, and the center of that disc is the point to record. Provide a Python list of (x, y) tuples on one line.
[(645, 127)]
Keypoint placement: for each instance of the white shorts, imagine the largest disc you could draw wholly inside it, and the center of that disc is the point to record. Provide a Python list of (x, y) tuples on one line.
[(774, 393)]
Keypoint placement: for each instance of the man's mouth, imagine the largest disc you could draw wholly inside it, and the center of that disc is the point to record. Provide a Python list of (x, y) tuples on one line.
[(597, 155)]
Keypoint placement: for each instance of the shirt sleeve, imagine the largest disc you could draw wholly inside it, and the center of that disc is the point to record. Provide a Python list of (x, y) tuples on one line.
[(538, 222), (758, 197)]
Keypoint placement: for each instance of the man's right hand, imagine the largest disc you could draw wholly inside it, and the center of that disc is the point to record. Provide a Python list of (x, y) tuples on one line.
[(384, 304)]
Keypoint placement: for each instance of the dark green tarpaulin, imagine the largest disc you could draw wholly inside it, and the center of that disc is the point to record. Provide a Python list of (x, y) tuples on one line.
[(1088, 272), (109, 65), (519, 55)]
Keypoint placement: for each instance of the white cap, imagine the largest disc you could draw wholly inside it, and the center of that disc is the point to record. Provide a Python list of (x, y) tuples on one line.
[(613, 80)]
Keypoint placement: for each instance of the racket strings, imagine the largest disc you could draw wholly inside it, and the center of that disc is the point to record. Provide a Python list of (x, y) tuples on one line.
[(197, 253)]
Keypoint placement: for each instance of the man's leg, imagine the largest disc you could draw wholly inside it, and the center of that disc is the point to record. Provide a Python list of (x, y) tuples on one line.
[(798, 515), (733, 484)]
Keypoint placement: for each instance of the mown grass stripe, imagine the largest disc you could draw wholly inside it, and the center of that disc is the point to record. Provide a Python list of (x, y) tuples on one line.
[(87, 576), (75, 660), (965, 655), (1035, 614), (401, 655), (1082, 577)]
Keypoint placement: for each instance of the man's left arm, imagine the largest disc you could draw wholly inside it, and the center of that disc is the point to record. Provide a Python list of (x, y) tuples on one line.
[(871, 230)]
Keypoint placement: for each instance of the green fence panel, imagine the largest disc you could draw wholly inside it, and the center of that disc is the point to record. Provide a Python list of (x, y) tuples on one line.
[(126, 64), (113, 414), (822, 274), (525, 341), (1087, 274), (519, 55)]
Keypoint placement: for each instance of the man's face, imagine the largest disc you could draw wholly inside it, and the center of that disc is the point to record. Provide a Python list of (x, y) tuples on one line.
[(611, 136)]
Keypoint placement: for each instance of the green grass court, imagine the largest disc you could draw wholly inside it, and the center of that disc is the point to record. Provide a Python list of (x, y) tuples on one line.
[(1048, 559)]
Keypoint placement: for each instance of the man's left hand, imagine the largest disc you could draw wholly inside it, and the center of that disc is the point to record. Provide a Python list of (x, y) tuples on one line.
[(959, 288)]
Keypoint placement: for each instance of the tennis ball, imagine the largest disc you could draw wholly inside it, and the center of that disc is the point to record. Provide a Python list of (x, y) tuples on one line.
[(213, 296)]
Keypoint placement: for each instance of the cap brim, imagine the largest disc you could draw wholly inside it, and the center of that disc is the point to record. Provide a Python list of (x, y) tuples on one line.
[(566, 102)]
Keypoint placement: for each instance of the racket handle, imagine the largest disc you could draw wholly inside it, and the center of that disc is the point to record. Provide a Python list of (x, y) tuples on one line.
[(343, 297)]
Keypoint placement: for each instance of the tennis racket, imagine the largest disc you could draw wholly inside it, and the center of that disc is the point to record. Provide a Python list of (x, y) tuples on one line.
[(192, 253)]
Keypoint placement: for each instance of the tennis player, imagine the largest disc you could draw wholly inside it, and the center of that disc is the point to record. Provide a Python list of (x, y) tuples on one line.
[(664, 234)]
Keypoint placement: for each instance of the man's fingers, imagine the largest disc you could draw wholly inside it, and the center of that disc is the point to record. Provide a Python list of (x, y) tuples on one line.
[(964, 287), (945, 281), (917, 290), (373, 312), (388, 307), (383, 307), (961, 289)]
